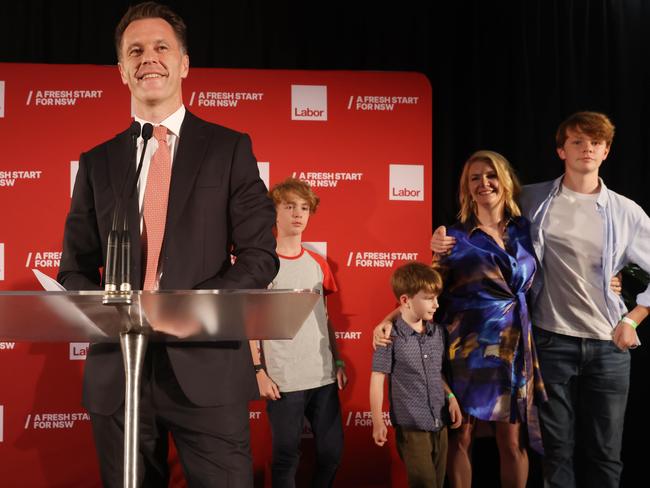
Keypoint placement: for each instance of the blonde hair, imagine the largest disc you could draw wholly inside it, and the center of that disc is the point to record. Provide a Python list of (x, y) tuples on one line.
[(507, 180), (413, 277), (293, 185)]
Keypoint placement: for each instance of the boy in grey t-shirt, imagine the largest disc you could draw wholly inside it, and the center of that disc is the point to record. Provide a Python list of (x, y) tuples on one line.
[(301, 377)]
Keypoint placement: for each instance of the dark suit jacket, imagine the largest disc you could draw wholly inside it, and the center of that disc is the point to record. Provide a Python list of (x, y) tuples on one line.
[(217, 206)]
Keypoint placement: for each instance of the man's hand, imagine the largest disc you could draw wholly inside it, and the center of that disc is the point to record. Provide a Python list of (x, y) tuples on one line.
[(379, 432), (181, 329), (168, 321), (440, 242), (341, 377), (267, 387), (624, 336), (455, 415), (381, 335)]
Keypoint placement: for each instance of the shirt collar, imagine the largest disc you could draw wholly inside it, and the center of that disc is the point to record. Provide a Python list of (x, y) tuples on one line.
[(601, 201), (173, 122), (471, 227), (405, 329)]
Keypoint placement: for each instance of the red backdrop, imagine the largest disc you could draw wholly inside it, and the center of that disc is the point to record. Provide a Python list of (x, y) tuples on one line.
[(362, 139)]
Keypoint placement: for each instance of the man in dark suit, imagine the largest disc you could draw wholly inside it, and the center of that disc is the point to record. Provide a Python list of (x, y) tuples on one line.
[(199, 199)]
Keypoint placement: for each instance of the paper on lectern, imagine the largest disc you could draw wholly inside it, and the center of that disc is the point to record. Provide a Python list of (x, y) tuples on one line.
[(46, 282), (64, 308)]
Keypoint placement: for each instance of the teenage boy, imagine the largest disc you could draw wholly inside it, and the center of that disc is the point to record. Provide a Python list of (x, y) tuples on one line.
[(418, 391), (583, 234), (300, 377)]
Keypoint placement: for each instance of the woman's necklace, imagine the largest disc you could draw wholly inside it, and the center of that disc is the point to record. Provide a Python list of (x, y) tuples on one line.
[(496, 231)]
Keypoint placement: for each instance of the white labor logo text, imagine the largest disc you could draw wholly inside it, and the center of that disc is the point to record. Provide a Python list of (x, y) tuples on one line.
[(9, 178), (325, 179), (2, 99), (59, 98), (406, 182), (364, 419), (375, 103), (308, 102), (54, 420), (43, 259), (223, 98), (78, 351), (378, 259)]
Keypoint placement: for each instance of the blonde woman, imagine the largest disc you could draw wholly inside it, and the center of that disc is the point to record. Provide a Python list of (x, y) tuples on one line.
[(494, 368), (494, 371)]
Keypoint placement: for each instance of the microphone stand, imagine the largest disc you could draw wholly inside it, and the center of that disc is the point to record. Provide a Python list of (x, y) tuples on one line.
[(133, 338), (112, 257), (118, 251)]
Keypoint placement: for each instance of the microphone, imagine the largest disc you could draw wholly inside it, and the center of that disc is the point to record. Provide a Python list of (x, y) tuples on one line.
[(110, 278), (112, 257), (125, 237), (134, 130), (147, 132)]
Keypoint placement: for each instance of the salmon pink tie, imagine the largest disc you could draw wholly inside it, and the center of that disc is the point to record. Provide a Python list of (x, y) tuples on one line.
[(156, 196)]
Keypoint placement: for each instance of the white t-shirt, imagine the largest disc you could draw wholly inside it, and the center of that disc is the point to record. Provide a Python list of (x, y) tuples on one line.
[(306, 361), (572, 301)]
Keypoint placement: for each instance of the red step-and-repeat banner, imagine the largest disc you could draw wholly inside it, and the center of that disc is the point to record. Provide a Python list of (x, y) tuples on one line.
[(361, 139)]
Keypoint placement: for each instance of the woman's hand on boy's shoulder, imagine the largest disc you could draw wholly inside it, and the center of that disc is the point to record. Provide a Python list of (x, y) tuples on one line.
[(441, 243)]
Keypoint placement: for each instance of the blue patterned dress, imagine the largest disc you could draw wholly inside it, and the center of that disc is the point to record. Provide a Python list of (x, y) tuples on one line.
[(494, 370)]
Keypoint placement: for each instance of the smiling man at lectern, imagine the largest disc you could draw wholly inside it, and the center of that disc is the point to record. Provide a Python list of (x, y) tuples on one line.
[(200, 199)]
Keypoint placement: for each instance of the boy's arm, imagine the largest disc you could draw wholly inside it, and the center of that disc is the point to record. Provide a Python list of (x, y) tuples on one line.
[(624, 334), (381, 334), (638, 252), (455, 415), (329, 286), (379, 429), (266, 386), (339, 364)]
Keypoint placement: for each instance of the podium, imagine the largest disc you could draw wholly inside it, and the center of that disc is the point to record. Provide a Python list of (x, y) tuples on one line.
[(143, 316)]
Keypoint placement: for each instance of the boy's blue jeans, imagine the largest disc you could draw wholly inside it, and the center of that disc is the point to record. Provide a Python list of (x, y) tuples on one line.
[(322, 408), (587, 382)]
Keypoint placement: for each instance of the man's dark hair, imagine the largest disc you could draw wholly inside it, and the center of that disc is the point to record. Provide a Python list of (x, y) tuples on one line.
[(151, 10)]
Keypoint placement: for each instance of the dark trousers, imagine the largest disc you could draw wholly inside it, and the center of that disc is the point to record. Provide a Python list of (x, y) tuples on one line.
[(424, 454), (286, 415), (213, 443), (587, 382)]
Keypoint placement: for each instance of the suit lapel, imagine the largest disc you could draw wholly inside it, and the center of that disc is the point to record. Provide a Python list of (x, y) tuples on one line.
[(119, 160), (193, 143)]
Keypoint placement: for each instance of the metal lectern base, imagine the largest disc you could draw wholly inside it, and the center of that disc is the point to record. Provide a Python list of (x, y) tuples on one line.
[(166, 316)]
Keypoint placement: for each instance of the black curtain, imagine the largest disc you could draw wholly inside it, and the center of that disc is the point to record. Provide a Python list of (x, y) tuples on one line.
[(504, 75)]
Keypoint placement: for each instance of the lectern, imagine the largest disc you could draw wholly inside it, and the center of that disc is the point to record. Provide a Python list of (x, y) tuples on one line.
[(142, 316)]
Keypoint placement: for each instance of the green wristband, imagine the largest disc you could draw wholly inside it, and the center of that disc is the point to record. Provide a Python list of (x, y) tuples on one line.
[(340, 363), (451, 395), (630, 322)]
